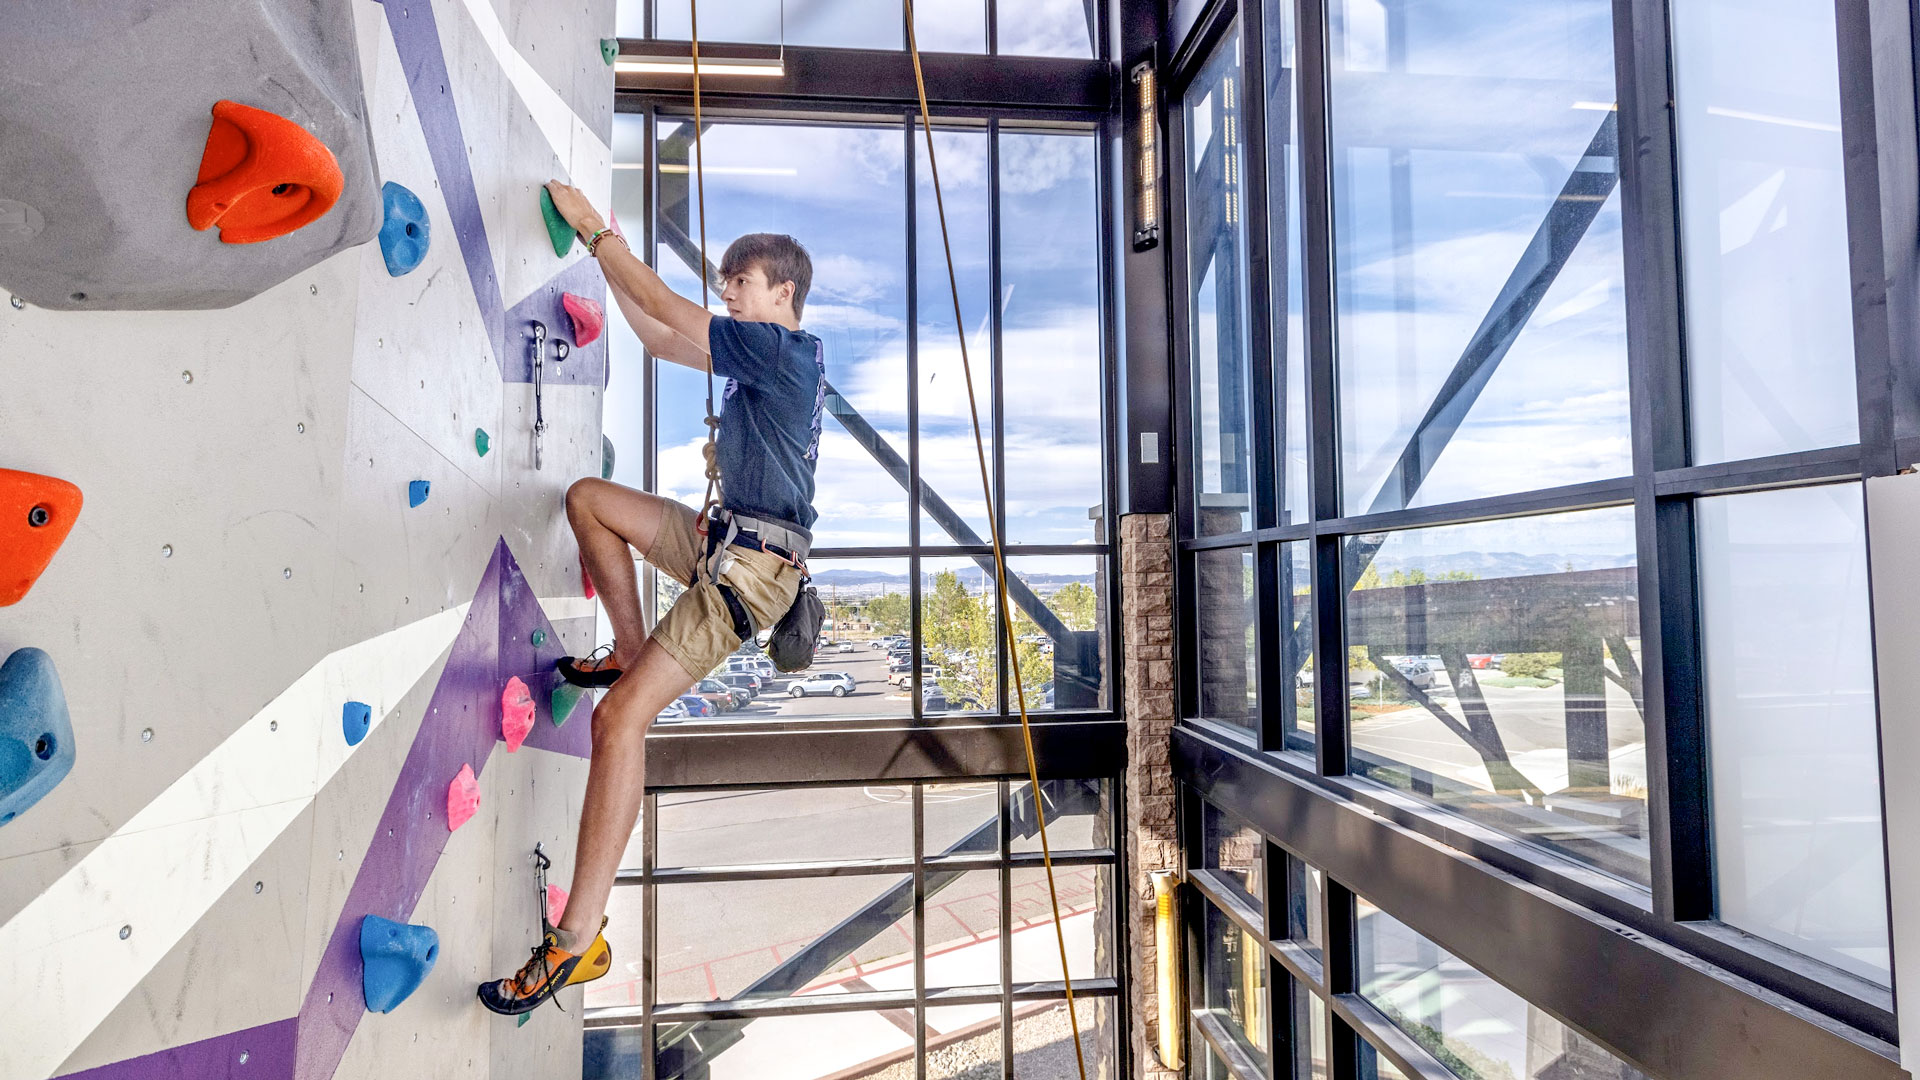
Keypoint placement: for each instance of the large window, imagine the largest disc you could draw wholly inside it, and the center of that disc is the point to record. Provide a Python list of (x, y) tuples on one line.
[(1028, 28), (1763, 214), (746, 918), (1521, 496), (1482, 332), (1788, 664), (1494, 668), (902, 555)]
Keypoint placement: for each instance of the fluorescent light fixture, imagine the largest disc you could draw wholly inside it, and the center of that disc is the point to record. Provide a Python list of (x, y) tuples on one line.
[(1768, 118), (1146, 148), (1597, 106), (771, 67), (731, 170)]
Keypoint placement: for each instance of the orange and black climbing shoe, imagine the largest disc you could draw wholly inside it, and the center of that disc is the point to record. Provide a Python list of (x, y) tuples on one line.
[(550, 968), (595, 670), (596, 961)]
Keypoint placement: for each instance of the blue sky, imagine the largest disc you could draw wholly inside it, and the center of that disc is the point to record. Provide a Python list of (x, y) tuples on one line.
[(841, 191)]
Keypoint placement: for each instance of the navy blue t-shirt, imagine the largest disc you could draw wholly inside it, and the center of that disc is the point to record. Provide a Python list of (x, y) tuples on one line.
[(770, 421)]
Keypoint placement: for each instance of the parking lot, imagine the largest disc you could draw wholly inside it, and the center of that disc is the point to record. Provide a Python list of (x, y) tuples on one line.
[(872, 694)]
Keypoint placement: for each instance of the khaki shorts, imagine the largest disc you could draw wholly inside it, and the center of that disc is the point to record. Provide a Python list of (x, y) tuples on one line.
[(698, 630)]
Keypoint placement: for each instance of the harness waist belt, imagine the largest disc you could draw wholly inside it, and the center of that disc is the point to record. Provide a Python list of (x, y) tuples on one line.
[(782, 538)]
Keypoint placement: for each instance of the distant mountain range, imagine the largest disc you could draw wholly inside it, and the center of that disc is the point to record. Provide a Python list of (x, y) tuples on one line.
[(1499, 564)]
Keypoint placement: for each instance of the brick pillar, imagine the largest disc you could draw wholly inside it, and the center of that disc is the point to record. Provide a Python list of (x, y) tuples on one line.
[(1146, 601)]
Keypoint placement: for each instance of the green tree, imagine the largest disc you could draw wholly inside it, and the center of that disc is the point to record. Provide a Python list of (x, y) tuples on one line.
[(891, 613), (1074, 603), (961, 639)]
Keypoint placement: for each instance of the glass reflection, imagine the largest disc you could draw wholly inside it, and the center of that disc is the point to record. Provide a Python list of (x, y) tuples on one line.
[(1217, 295), (849, 24), (1494, 668), (1296, 613), (1060, 621), (1306, 906), (1788, 652), (1477, 238), (1233, 972), (1285, 262), (1050, 338), (1233, 849), (1044, 28), (1475, 1026), (1224, 609), (1309, 1033), (1763, 227)]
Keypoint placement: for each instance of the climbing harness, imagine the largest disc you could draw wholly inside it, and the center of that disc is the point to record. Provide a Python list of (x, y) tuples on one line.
[(999, 556)]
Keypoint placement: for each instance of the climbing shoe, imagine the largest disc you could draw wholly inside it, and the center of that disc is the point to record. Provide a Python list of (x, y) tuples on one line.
[(595, 962), (596, 671), (545, 972)]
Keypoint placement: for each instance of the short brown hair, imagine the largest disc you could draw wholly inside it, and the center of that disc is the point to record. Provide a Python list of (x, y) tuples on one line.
[(779, 256)]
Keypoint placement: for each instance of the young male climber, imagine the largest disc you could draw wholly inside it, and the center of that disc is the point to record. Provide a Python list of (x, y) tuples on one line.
[(741, 567)]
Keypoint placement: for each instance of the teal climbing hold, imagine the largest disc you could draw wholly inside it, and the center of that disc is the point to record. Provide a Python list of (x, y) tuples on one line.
[(482, 442), (565, 697), (609, 49), (539, 638), (394, 960), (356, 719), (558, 230), (606, 458), (36, 732), (417, 491)]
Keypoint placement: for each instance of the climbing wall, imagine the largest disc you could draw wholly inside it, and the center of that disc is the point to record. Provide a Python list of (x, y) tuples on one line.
[(273, 537)]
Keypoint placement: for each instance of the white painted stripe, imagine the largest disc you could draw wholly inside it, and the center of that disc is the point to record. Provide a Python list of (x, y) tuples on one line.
[(163, 870), (166, 867), (587, 158)]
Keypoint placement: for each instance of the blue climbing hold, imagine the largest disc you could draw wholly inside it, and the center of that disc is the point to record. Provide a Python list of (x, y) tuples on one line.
[(36, 733), (405, 232), (394, 960), (417, 491), (355, 720)]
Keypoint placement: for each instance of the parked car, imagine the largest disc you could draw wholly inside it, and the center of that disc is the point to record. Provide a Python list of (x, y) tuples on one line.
[(697, 705), (899, 662), (741, 680), (934, 699), (1417, 671), (837, 683), (904, 676), (722, 695), (674, 711), (846, 646), (756, 664)]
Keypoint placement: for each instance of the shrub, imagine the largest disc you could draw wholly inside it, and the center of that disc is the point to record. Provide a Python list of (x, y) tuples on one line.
[(1529, 665)]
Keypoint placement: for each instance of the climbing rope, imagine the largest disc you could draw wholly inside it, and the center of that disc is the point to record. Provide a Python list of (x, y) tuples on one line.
[(710, 452), (999, 556)]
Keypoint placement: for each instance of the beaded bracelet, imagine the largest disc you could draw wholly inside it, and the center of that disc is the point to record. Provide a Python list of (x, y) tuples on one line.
[(593, 242)]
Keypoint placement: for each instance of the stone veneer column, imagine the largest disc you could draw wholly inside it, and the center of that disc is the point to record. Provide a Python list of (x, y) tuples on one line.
[(1146, 603)]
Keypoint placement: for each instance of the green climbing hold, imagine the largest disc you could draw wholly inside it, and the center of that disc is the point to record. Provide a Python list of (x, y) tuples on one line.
[(481, 442), (606, 458), (565, 697), (539, 638), (524, 1017), (609, 49), (558, 230)]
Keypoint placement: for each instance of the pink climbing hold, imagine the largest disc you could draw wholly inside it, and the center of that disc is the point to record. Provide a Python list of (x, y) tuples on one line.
[(556, 903), (463, 798), (589, 318), (516, 713), (586, 581)]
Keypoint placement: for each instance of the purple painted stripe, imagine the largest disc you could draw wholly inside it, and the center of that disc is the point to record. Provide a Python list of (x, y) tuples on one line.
[(268, 1049), (416, 37), (520, 615), (461, 727)]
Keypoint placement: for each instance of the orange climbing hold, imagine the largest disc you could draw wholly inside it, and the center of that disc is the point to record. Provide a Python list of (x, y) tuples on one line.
[(261, 176), (36, 513)]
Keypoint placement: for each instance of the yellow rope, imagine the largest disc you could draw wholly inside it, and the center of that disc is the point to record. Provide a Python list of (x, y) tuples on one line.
[(710, 451), (999, 556)]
